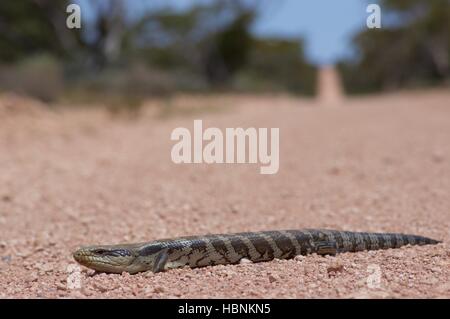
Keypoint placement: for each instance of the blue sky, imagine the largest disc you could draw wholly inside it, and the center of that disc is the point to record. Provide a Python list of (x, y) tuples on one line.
[(327, 26)]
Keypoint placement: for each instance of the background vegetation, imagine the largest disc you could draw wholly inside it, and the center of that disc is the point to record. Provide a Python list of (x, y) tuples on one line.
[(410, 50), (156, 52), (207, 48)]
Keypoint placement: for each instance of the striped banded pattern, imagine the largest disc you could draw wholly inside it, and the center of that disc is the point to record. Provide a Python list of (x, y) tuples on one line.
[(208, 250), (265, 246)]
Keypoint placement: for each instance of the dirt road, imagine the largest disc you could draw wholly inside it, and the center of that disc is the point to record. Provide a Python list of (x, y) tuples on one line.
[(381, 164)]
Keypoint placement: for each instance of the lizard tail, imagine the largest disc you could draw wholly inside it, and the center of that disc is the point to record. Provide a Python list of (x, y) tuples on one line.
[(359, 241)]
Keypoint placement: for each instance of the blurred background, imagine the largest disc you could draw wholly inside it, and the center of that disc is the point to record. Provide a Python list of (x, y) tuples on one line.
[(86, 117), (135, 49)]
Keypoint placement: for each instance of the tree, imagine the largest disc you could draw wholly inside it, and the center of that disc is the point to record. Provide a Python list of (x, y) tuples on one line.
[(279, 64), (33, 26), (414, 51), (227, 50)]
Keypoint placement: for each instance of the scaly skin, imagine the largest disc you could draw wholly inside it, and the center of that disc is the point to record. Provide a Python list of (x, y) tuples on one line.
[(200, 251)]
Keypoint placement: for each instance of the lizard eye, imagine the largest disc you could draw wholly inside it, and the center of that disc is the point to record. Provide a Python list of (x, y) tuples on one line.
[(100, 251)]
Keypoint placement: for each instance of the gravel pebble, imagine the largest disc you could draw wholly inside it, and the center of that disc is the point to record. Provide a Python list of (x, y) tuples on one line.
[(76, 177)]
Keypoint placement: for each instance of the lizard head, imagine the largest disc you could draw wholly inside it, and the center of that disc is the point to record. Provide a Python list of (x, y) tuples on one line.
[(109, 258)]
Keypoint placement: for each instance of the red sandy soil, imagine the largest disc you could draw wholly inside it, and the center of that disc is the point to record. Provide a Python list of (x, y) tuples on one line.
[(71, 177)]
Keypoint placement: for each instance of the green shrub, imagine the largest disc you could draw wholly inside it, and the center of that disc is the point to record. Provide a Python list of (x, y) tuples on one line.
[(39, 76)]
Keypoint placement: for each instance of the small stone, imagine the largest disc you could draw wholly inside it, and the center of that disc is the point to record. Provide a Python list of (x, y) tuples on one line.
[(335, 268), (44, 267), (313, 286), (24, 253), (100, 287), (6, 198), (158, 289), (77, 294), (273, 278), (437, 157), (86, 291), (32, 278), (61, 286), (444, 288), (38, 249), (245, 261), (334, 170), (436, 269), (6, 259)]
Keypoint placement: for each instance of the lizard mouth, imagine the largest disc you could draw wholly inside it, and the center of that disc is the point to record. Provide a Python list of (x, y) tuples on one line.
[(102, 260)]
